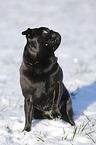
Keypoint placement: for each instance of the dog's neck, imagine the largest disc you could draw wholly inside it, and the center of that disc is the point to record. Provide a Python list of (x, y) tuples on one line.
[(52, 59), (37, 68)]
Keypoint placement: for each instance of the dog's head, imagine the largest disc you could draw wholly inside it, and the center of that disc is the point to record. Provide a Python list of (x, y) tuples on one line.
[(41, 43)]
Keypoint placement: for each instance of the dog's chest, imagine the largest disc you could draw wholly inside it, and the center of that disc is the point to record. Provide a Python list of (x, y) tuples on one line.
[(43, 95), (40, 88), (43, 88)]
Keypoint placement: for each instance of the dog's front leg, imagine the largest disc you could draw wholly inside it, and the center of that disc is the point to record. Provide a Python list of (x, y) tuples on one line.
[(28, 107), (55, 107)]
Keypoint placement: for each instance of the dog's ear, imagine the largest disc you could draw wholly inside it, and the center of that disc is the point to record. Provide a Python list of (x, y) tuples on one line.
[(27, 32)]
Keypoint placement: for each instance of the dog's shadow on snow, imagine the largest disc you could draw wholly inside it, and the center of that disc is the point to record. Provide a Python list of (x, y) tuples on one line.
[(34, 122), (82, 98)]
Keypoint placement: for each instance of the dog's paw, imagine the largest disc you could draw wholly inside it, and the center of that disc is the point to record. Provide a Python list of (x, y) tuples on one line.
[(27, 128), (56, 115), (72, 122)]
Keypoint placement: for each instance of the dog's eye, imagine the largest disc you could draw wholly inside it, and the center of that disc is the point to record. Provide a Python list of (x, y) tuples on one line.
[(45, 31)]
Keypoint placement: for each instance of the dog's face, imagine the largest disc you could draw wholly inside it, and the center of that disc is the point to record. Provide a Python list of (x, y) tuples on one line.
[(41, 43)]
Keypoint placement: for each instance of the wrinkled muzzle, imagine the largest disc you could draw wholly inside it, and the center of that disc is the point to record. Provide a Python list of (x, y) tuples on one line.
[(54, 41)]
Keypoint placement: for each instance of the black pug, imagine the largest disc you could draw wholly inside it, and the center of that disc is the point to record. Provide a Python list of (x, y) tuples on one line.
[(41, 78)]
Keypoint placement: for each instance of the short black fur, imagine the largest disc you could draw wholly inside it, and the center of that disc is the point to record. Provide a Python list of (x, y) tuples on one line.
[(41, 78)]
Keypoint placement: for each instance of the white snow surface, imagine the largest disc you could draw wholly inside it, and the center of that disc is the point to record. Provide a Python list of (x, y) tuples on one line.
[(75, 20)]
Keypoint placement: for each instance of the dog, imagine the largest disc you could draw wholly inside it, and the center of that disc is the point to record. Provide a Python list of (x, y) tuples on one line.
[(41, 77)]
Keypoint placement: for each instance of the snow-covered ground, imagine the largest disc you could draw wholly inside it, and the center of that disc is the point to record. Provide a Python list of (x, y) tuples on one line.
[(75, 20)]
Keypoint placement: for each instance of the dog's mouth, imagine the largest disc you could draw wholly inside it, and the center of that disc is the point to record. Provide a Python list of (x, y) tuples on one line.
[(53, 42)]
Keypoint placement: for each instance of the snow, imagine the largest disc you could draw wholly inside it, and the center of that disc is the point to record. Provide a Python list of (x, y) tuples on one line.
[(75, 20)]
